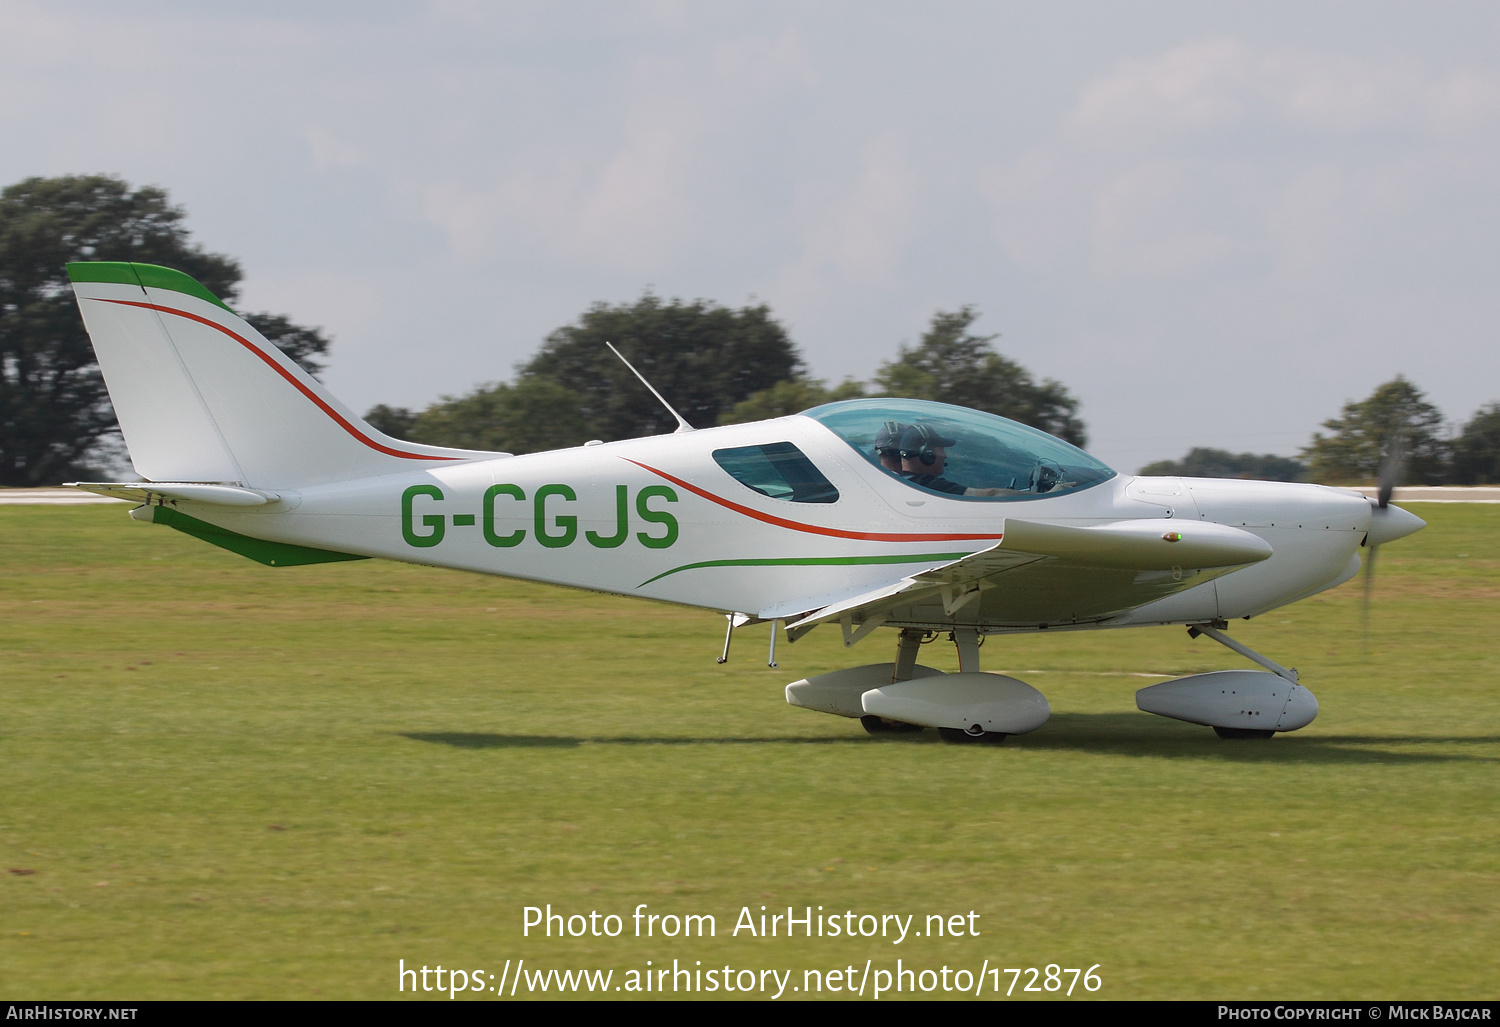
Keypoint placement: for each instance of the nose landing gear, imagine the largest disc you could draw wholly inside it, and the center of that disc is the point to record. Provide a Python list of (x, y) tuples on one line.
[(1237, 704), (970, 734), (1242, 733)]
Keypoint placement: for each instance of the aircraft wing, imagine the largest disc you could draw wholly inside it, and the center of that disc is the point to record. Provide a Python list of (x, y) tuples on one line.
[(1044, 574)]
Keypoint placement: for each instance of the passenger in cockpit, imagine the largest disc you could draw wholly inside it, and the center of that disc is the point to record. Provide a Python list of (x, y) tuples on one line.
[(888, 445)]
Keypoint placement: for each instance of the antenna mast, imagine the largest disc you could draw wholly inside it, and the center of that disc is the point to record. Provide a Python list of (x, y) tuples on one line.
[(682, 424)]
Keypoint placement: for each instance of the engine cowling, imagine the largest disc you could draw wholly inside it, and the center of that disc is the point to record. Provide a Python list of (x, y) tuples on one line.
[(1250, 700)]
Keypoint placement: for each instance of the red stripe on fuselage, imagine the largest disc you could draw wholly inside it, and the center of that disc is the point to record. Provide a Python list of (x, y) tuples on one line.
[(273, 365), (813, 529)]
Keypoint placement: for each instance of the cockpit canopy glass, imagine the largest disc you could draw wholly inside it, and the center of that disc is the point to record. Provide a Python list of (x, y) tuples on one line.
[(778, 470), (960, 452)]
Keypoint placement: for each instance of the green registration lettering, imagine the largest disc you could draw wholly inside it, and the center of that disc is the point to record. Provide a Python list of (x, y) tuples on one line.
[(656, 516), (501, 541), (622, 522), (433, 521), (555, 531), (567, 522)]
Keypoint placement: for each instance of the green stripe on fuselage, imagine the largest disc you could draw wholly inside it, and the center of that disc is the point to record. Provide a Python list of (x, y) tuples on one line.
[(810, 561), (272, 554)]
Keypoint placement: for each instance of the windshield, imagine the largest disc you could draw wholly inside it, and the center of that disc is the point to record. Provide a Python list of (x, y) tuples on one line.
[(960, 452)]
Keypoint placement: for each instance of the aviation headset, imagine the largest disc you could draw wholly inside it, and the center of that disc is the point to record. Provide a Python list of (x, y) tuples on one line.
[(921, 441), (888, 438)]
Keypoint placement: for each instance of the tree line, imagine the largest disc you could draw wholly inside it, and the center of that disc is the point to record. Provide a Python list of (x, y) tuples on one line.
[(715, 365), (54, 411), (1395, 423)]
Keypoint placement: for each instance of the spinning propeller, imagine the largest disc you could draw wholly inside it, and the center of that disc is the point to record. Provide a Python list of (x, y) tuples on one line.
[(1387, 523)]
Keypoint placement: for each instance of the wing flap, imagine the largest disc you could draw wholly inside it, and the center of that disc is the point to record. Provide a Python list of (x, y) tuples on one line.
[(957, 573)]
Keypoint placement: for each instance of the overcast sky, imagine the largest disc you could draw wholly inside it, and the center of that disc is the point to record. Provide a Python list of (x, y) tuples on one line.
[(1215, 223)]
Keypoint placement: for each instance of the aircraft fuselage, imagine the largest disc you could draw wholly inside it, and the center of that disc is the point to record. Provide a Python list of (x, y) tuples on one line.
[(658, 518)]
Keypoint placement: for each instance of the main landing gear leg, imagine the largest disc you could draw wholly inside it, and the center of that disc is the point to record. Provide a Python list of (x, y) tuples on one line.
[(967, 642), (907, 646)]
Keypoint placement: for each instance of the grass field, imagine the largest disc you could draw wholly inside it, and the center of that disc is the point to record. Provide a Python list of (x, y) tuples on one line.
[(224, 780)]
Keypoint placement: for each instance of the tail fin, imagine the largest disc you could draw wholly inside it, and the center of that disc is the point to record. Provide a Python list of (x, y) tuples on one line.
[(203, 397)]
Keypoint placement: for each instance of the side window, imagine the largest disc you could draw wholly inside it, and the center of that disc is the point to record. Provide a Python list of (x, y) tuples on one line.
[(778, 470)]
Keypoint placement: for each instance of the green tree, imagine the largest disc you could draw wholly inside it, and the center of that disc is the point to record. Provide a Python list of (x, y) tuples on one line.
[(1476, 452), (1396, 415), (1219, 463), (702, 357), (54, 409), (397, 422), (953, 365), (790, 397), (533, 415)]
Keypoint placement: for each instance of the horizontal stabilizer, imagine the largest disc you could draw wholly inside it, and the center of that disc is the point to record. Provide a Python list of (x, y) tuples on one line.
[(156, 491)]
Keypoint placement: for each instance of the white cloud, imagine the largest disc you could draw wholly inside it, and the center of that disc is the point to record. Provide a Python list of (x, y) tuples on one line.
[(766, 63), (1212, 83), (1346, 94), (1167, 167), (854, 232), (1189, 88), (329, 152), (629, 207), (1140, 226), (633, 195)]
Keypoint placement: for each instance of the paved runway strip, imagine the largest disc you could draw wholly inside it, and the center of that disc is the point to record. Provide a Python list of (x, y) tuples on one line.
[(51, 497)]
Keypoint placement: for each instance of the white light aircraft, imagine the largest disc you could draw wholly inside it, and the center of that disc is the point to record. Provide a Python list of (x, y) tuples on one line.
[(984, 527)]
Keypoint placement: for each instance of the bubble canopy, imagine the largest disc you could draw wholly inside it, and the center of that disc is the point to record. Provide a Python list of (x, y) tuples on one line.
[(986, 457)]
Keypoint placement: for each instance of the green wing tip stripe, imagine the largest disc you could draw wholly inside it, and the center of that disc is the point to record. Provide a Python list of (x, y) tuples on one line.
[(142, 275), (810, 561), (272, 554)]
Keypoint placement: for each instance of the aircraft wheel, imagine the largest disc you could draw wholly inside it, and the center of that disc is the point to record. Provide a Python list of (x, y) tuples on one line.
[(958, 734), (880, 726), (1242, 732)]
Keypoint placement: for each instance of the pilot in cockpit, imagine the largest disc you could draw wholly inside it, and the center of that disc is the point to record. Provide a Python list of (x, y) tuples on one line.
[(924, 454)]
